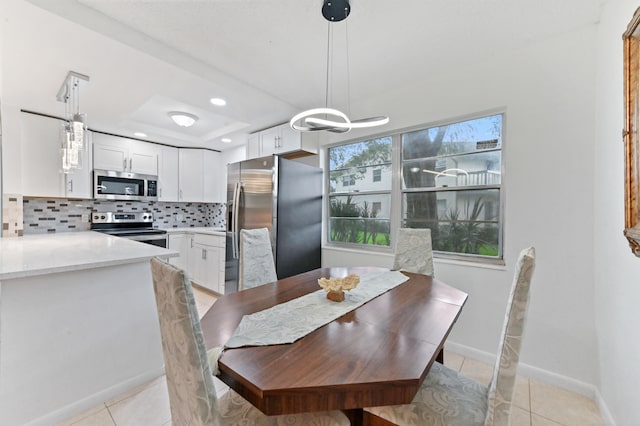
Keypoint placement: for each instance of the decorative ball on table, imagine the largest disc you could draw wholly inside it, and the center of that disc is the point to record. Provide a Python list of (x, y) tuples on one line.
[(335, 287)]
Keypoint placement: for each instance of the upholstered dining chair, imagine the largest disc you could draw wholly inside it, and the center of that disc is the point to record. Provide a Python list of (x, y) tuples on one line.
[(256, 259), (449, 398), (192, 394), (413, 251)]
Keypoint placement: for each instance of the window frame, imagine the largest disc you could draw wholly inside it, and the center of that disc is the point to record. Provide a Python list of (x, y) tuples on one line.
[(395, 216)]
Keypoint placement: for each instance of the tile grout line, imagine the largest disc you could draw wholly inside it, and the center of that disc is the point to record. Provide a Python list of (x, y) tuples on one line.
[(530, 409), (110, 415)]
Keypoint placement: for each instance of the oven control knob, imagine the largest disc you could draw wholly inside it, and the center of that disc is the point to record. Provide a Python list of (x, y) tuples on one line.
[(102, 217)]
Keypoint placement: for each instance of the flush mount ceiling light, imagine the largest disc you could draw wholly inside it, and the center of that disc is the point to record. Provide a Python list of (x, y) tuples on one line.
[(218, 101), (326, 118), (73, 133), (140, 134), (183, 119), (226, 140)]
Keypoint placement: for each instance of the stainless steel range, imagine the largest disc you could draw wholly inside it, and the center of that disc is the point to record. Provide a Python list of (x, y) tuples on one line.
[(137, 226)]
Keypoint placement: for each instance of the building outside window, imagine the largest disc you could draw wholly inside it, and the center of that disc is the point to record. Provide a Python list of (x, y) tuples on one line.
[(451, 183), (448, 178), (360, 206)]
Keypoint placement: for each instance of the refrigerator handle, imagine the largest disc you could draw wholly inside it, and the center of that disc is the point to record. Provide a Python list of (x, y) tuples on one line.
[(236, 210)]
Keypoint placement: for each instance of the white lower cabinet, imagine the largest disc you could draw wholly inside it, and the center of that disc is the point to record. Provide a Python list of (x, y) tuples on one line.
[(179, 242), (202, 257)]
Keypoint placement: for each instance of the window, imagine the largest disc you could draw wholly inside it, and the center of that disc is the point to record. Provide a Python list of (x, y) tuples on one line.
[(451, 183), (447, 178), (376, 206), (348, 180), (359, 210)]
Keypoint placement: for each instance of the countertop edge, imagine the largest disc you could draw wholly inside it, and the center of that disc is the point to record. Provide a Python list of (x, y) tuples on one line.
[(82, 267)]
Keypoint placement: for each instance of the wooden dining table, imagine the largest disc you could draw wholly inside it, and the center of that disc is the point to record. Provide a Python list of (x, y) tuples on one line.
[(377, 354)]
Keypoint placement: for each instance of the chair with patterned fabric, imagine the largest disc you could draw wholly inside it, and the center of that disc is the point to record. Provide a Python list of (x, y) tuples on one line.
[(256, 259), (448, 398), (192, 394), (413, 251)]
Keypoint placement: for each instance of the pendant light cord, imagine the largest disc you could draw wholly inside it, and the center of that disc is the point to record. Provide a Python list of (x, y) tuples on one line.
[(326, 95), (346, 32)]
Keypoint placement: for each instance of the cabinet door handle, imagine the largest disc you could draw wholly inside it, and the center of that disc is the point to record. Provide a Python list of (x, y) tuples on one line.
[(71, 185), (204, 254), (181, 194), (124, 165), (130, 164)]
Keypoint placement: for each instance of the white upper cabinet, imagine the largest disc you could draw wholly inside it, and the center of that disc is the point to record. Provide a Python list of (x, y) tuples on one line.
[(202, 176), (253, 146), (42, 165), (191, 175), (215, 178), (168, 174), (281, 140), (269, 141), (79, 182), (124, 155)]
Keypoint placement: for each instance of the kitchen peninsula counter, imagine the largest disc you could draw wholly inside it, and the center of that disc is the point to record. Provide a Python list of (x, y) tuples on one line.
[(34, 255), (78, 323)]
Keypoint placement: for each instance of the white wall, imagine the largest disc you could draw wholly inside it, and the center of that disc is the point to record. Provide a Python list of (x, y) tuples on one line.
[(547, 91), (616, 271)]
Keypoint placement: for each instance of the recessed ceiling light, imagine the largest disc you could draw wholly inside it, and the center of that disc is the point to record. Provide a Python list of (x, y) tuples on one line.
[(183, 119), (218, 101), (140, 134), (226, 140)]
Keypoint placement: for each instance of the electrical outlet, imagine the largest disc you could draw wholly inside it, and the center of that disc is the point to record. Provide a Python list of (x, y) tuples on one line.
[(179, 217)]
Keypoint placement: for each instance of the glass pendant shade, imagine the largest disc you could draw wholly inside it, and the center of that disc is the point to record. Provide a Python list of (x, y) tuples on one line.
[(73, 131)]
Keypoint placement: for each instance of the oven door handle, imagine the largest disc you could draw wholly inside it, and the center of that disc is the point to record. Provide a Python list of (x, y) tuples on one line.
[(147, 237)]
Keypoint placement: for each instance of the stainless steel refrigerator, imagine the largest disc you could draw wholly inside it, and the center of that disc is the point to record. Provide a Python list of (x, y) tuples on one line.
[(284, 196)]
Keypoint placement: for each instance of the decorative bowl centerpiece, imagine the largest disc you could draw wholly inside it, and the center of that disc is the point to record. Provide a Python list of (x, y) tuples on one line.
[(335, 287)]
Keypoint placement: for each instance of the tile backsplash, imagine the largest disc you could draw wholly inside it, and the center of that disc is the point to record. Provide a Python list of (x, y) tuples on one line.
[(42, 215)]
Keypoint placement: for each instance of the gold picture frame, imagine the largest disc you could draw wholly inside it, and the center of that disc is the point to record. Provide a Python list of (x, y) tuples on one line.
[(630, 133)]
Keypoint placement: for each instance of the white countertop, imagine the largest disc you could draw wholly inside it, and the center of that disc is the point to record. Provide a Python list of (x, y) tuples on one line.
[(70, 251), (199, 230)]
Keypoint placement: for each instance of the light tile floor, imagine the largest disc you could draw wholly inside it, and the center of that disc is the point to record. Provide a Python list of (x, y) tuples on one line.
[(535, 403)]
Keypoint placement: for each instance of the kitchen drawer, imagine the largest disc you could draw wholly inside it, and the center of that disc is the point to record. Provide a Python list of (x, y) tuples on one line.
[(209, 240)]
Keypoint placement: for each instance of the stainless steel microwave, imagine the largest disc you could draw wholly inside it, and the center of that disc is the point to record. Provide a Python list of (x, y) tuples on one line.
[(112, 185)]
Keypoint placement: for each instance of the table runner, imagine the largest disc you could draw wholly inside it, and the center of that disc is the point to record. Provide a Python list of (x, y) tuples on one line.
[(292, 320)]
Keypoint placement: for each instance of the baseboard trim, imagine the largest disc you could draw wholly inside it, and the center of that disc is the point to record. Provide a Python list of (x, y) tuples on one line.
[(97, 398), (607, 417), (529, 371)]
